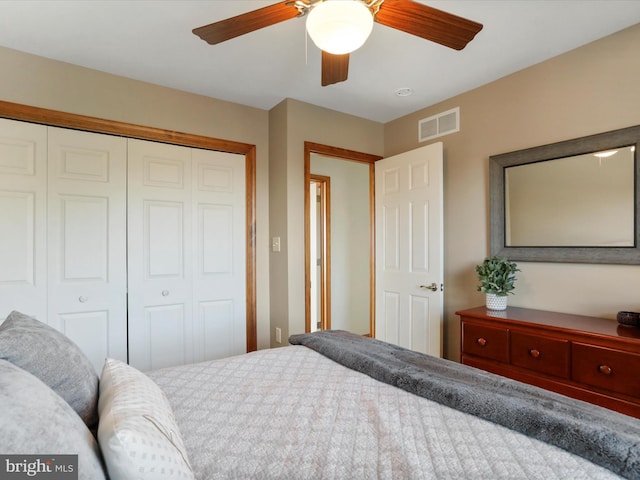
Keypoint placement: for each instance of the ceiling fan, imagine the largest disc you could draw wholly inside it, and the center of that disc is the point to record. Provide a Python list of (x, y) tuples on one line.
[(324, 16)]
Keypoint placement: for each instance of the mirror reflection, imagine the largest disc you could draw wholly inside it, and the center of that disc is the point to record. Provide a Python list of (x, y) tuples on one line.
[(578, 201)]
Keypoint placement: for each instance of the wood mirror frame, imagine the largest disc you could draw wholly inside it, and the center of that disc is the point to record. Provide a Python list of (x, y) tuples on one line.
[(590, 144)]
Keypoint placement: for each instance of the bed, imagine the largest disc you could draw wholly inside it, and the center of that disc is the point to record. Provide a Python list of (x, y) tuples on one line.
[(331, 406)]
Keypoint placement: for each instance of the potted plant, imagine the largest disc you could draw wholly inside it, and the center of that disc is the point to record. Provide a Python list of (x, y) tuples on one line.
[(497, 276)]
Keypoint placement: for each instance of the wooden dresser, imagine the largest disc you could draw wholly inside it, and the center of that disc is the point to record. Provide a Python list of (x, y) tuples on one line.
[(592, 359)]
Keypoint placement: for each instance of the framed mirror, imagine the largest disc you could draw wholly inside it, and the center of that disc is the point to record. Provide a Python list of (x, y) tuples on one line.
[(573, 201)]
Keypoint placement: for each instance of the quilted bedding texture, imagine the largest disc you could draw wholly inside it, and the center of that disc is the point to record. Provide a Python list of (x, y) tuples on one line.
[(291, 413)]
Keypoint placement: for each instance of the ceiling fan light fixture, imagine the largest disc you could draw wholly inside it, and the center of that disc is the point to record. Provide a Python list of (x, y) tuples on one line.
[(339, 26)]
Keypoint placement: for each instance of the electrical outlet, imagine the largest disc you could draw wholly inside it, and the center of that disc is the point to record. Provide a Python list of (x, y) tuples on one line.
[(278, 335)]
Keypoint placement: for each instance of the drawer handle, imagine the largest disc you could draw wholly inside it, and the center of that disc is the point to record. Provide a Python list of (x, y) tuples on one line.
[(605, 369), (481, 341), (534, 353)]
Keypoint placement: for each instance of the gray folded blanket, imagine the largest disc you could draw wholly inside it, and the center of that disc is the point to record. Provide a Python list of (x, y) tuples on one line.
[(602, 436)]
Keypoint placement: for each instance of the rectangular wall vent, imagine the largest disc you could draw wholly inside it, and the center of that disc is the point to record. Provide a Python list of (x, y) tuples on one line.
[(437, 125)]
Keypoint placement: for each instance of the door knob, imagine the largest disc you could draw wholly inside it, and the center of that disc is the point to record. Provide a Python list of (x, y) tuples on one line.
[(433, 287)]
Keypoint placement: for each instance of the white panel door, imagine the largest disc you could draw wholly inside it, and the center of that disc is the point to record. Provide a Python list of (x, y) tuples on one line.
[(187, 254), (219, 272), (159, 255), (23, 218), (409, 249), (87, 241)]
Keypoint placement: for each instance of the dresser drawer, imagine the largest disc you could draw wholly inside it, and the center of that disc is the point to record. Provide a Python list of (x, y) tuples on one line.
[(484, 341), (588, 358), (541, 354), (606, 368)]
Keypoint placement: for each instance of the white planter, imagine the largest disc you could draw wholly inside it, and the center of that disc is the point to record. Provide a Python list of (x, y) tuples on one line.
[(496, 302)]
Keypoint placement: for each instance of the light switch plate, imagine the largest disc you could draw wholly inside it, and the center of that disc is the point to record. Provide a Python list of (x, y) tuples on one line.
[(275, 244)]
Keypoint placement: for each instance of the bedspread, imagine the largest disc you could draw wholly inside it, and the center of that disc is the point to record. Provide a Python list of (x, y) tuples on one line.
[(291, 413), (600, 435)]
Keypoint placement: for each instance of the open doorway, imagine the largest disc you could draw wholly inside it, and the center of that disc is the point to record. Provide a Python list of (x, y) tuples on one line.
[(320, 251), (348, 262)]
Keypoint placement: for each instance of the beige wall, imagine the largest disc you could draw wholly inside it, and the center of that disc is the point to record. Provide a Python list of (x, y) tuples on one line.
[(589, 90), (37, 81), (291, 124), (278, 221)]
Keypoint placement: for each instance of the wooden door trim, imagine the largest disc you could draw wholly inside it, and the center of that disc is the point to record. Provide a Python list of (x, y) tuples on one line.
[(27, 113), (325, 282), (354, 156)]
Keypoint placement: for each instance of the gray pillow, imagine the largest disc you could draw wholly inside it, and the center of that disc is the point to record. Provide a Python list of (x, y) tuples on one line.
[(54, 359), (34, 420)]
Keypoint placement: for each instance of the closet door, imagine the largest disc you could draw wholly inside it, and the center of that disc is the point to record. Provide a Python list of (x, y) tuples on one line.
[(187, 255), (159, 252), (23, 218), (219, 260), (87, 241)]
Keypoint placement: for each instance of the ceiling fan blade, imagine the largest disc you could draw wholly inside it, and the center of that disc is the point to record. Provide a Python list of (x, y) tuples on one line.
[(335, 68), (247, 22), (428, 22)]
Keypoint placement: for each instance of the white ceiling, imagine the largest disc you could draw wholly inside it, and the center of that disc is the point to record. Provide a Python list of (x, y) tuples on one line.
[(152, 41)]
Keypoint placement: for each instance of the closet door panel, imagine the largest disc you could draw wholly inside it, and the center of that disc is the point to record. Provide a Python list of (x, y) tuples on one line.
[(219, 204), (90, 329), (165, 329), (159, 252), (83, 225), (218, 326), (23, 220), (164, 240), (17, 255), (87, 241)]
